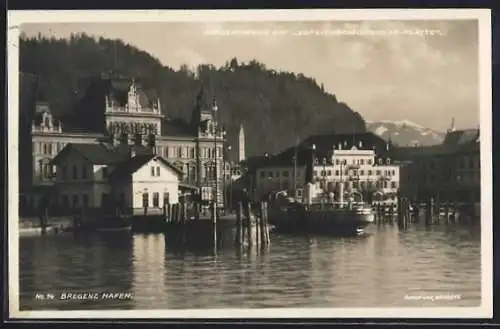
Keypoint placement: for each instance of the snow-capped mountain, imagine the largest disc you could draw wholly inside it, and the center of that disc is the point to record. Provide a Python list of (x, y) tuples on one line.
[(405, 132)]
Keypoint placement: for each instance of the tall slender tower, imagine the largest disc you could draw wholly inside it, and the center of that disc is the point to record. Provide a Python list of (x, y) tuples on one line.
[(241, 144)]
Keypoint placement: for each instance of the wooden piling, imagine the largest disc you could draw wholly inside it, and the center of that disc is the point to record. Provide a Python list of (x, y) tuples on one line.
[(266, 224), (262, 223), (249, 223), (239, 225), (44, 219), (416, 213), (430, 212), (214, 224)]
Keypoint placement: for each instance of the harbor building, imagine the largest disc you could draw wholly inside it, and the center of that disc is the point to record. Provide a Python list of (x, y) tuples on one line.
[(351, 160), (449, 172), (119, 111), (101, 176)]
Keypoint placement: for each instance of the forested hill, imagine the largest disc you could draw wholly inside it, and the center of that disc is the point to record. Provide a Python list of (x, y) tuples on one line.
[(277, 107)]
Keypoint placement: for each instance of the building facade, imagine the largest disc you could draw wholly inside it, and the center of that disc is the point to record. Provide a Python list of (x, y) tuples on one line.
[(450, 171), (98, 176), (358, 168), (117, 110)]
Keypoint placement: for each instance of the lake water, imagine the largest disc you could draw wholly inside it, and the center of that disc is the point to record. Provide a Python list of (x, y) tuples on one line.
[(385, 267)]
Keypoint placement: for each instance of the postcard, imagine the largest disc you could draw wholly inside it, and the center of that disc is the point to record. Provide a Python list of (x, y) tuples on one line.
[(218, 164)]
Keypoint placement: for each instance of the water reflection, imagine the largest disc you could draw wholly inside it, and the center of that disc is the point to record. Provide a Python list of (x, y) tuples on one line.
[(375, 270)]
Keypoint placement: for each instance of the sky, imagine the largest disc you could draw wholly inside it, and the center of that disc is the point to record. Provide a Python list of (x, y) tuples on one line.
[(423, 71)]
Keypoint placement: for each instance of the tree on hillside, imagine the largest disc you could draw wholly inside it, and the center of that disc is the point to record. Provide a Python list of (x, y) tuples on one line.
[(275, 106)]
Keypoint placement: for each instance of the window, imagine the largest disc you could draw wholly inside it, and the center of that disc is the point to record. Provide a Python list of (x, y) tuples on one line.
[(192, 153), (104, 199), (49, 149), (385, 184), (262, 174), (362, 161), (370, 172), (85, 201), (65, 201), (337, 172), (323, 173), (45, 149), (153, 171), (393, 185), (361, 172), (166, 198), (370, 161), (377, 172), (156, 199), (145, 200), (394, 173), (270, 174), (105, 172), (337, 162), (179, 152), (75, 201), (329, 172), (285, 173), (75, 172), (158, 171), (277, 174), (84, 172), (121, 199)]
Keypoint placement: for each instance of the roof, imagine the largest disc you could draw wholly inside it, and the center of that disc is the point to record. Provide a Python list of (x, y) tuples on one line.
[(100, 154), (117, 89), (176, 127), (454, 142), (130, 166)]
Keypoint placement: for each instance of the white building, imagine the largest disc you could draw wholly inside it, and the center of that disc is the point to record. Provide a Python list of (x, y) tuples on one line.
[(376, 178), (98, 176)]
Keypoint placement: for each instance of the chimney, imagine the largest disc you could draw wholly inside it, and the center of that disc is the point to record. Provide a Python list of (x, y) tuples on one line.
[(310, 164)]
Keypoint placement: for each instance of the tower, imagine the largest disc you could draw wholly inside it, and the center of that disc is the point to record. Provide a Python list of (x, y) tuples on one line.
[(452, 127), (241, 144)]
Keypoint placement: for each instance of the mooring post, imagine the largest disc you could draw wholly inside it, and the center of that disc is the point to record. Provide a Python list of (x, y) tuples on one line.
[(214, 223), (179, 213), (415, 211), (266, 224), (400, 210), (258, 221), (430, 212), (184, 222), (262, 223), (239, 224), (249, 223), (44, 219)]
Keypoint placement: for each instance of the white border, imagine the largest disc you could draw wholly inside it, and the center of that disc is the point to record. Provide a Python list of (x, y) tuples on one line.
[(15, 18)]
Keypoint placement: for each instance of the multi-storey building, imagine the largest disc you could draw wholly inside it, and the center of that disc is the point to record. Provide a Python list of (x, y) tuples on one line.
[(450, 171), (118, 110), (347, 161)]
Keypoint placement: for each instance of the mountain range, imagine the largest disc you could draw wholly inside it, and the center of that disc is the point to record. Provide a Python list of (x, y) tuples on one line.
[(405, 132)]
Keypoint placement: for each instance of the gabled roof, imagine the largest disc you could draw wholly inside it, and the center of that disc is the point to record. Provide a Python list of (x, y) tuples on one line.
[(126, 168), (100, 154)]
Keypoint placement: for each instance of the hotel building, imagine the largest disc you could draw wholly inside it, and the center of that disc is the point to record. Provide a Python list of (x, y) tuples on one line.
[(118, 111)]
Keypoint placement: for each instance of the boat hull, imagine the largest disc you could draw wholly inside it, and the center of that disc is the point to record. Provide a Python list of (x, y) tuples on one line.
[(321, 221)]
